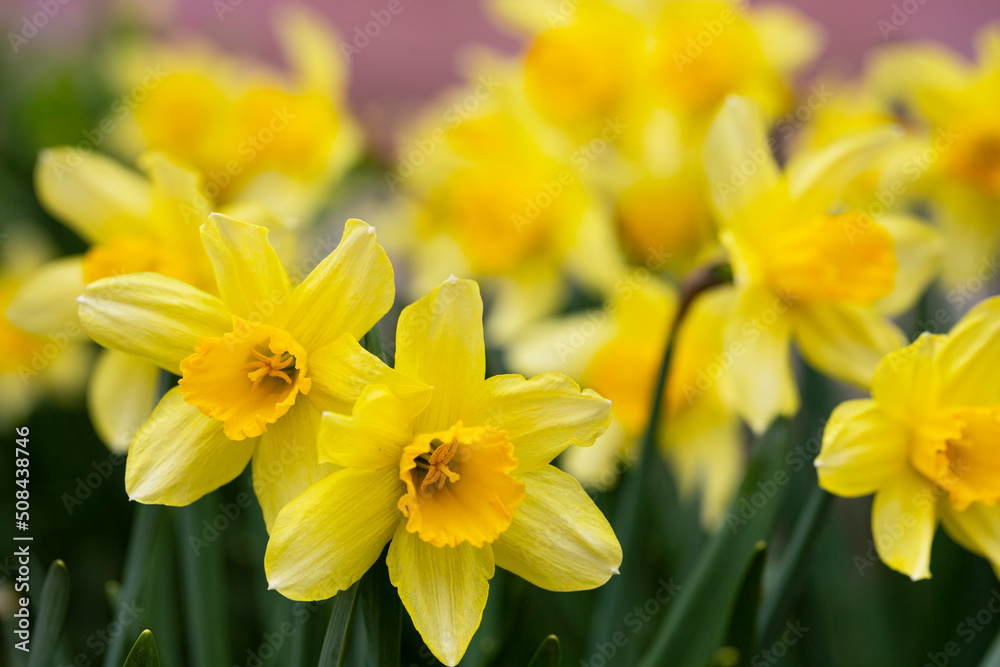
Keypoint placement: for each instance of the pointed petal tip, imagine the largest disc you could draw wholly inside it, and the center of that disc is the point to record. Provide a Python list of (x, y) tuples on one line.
[(452, 279), (615, 570)]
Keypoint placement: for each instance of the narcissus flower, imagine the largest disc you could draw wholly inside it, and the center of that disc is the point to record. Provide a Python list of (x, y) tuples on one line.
[(457, 479), (132, 224), (927, 444), (954, 165), (255, 133), (806, 268), (258, 364)]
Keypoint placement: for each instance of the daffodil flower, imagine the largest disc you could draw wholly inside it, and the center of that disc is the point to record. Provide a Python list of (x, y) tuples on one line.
[(456, 479), (954, 164), (926, 444), (132, 224), (257, 134), (806, 268), (258, 363)]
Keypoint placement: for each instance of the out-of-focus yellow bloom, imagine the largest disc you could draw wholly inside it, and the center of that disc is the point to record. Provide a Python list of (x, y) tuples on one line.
[(617, 351), (51, 365), (956, 163), (926, 444), (599, 59), (134, 224), (806, 268), (272, 137), (258, 364), (457, 479), (497, 195)]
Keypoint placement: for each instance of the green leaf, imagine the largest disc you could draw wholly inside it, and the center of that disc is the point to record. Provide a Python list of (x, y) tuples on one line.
[(992, 657), (742, 632), (334, 650), (381, 614), (549, 653), (143, 653), (696, 622), (372, 341), (204, 585), (51, 615), (145, 526)]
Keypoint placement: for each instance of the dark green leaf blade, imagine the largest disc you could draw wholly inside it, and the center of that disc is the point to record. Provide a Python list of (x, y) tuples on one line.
[(549, 653), (334, 650), (143, 653), (51, 615), (742, 632)]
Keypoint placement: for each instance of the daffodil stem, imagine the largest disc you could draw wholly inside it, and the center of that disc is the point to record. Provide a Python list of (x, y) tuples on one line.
[(992, 657), (613, 600), (776, 600), (334, 651)]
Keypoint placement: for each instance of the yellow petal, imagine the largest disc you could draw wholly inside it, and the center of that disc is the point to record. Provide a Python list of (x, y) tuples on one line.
[(926, 74), (180, 205), (904, 518), (285, 462), (343, 369), (94, 195), (817, 180), (179, 455), (309, 43), (558, 539), (863, 449), (977, 529), (326, 539), (918, 249), (252, 282), (121, 396), (970, 356), (375, 434), (737, 157), (151, 316), (46, 301), (439, 341), (761, 384), (788, 39), (444, 590), (907, 383), (845, 342), (564, 344), (349, 291), (542, 416), (598, 466)]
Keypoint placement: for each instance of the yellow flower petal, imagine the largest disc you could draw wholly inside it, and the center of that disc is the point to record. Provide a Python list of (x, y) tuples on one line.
[(918, 249), (970, 356), (816, 180), (761, 384), (375, 434), (977, 529), (439, 341), (180, 205), (906, 383), (349, 291), (122, 394), (179, 455), (542, 416), (326, 539), (46, 302), (904, 519), (444, 590), (285, 462), (151, 316), (863, 449), (845, 342), (558, 539), (598, 466), (94, 195), (737, 157), (788, 39), (343, 369), (252, 282)]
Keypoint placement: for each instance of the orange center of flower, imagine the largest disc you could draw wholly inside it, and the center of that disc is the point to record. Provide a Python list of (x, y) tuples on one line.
[(247, 379), (975, 157), (459, 486), (138, 254), (959, 450), (846, 257)]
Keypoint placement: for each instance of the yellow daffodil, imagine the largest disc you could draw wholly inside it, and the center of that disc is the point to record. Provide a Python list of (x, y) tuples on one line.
[(805, 267), (955, 164), (52, 365), (258, 364), (456, 479), (617, 351), (926, 444), (133, 224), (255, 133)]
